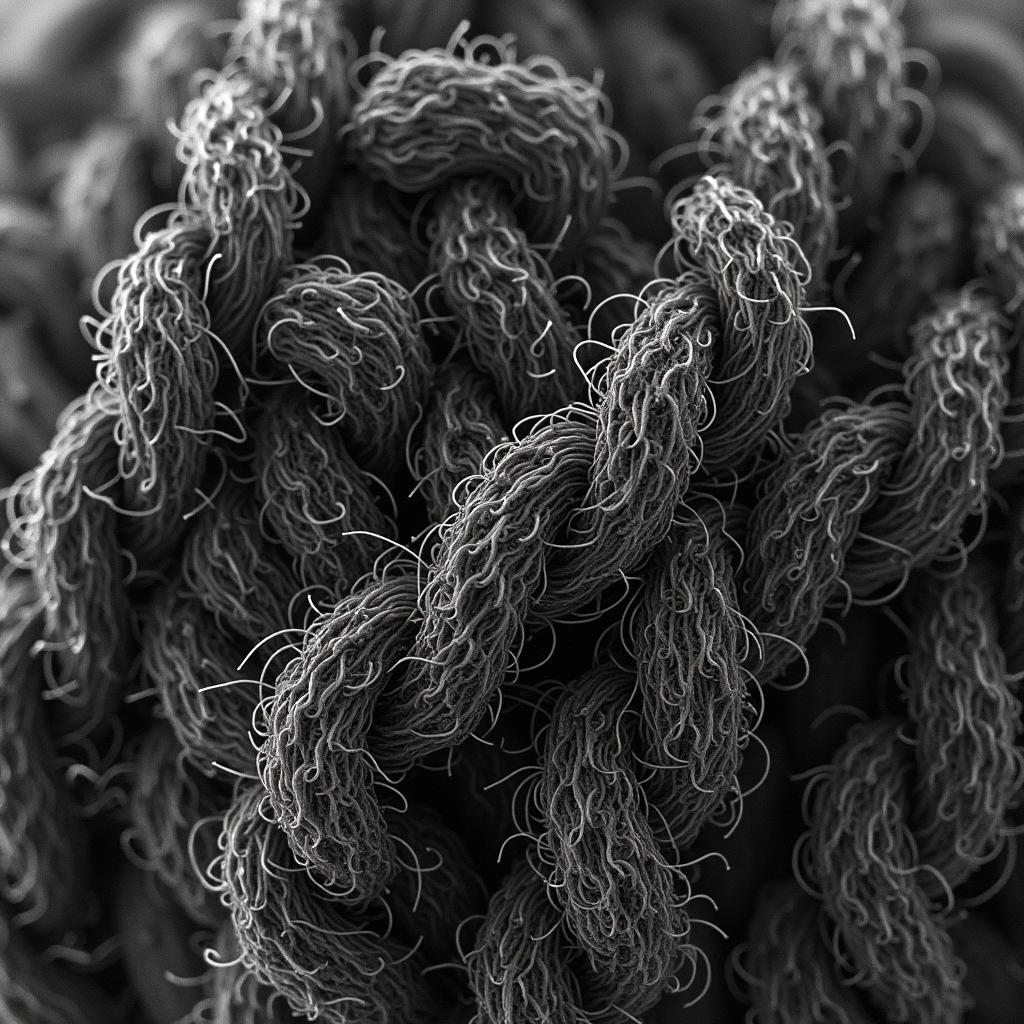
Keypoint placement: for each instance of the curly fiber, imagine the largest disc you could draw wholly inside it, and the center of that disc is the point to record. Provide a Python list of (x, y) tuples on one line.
[(35, 988)]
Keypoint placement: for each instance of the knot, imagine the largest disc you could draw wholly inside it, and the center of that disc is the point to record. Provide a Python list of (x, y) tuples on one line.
[(430, 116)]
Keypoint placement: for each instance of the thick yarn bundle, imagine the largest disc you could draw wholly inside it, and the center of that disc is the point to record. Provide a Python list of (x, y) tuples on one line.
[(407, 471)]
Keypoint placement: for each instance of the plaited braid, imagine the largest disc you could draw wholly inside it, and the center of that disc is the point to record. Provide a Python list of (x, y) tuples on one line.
[(397, 671), (748, 329)]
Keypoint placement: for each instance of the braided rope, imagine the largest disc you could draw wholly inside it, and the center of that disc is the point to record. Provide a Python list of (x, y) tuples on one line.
[(327, 885)]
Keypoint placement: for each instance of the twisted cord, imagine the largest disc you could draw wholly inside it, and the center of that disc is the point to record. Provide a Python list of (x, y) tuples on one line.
[(295, 937), (65, 530), (767, 135), (850, 54), (786, 970), (501, 293), (203, 689), (605, 869), (910, 808), (314, 497), (460, 427), (844, 510), (859, 857), (315, 762), (690, 642), (235, 569), (160, 363), (235, 181), (966, 710), (293, 51)]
